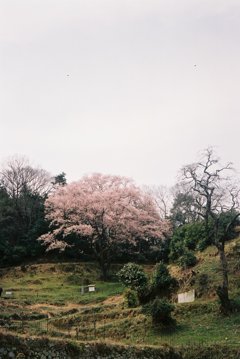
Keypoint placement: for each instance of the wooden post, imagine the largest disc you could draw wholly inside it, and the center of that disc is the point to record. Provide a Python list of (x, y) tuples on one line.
[(104, 334), (77, 331), (145, 328), (94, 326), (22, 322), (86, 332)]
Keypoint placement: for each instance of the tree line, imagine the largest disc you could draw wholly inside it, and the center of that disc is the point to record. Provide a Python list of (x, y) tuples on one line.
[(109, 219), (23, 191)]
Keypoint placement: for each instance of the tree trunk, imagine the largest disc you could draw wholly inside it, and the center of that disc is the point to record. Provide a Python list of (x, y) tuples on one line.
[(222, 291), (104, 273), (104, 264), (104, 269), (102, 255)]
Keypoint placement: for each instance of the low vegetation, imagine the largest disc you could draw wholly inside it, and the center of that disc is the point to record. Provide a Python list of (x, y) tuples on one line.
[(48, 301)]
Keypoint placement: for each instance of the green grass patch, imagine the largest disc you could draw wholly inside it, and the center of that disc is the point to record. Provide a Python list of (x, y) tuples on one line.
[(53, 291)]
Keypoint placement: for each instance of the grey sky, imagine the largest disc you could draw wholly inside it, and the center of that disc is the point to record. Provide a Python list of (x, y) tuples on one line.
[(111, 85)]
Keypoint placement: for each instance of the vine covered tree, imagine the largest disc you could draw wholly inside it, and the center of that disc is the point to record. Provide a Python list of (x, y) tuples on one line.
[(217, 203), (183, 209), (104, 210)]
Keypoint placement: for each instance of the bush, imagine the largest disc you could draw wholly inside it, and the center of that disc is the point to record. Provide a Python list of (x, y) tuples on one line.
[(161, 279), (177, 244), (160, 311), (188, 259), (131, 298), (194, 235), (133, 276), (188, 237), (203, 281), (74, 279), (158, 251)]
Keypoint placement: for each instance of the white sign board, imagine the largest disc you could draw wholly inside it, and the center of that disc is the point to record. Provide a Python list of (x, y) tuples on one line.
[(186, 297), (91, 288), (88, 288)]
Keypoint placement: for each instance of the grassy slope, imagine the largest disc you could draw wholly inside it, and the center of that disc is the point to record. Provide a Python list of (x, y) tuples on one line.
[(56, 284), (53, 290)]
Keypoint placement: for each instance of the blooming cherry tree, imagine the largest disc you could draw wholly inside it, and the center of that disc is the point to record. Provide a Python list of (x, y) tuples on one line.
[(105, 210)]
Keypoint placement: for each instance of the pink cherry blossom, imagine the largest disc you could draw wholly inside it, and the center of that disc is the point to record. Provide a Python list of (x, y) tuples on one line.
[(105, 210)]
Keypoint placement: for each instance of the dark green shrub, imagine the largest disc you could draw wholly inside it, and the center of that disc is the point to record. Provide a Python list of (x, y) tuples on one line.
[(188, 237), (203, 284), (131, 298), (75, 279), (177, 244), (160, 311), (161, 278), (188, 259), (140, 258), (203, 280), (159, 251), (133, 276)]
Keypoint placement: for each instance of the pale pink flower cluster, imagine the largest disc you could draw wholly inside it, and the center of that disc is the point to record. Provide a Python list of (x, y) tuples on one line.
[(102, 208)]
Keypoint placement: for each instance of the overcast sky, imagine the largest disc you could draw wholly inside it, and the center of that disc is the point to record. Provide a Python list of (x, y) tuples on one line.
[(128, 87)]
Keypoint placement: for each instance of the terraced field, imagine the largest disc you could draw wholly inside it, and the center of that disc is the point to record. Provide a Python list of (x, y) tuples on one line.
[(47, 301)]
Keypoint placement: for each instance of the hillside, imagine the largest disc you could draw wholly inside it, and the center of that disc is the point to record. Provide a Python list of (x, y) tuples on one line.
[(47, 301)]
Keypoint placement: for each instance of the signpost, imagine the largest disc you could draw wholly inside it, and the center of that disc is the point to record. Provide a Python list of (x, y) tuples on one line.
[(186, 297), (88, 288)]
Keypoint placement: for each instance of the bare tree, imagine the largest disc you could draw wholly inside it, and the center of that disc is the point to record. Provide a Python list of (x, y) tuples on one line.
[(162, 197), (215, 194), (18, 175), (25, 184)]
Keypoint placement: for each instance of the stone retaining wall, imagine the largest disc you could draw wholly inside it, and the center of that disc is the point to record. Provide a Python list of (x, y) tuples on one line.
[(18, 347)]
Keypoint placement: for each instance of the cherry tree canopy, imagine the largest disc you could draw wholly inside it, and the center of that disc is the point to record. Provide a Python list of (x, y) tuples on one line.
[(105, 210)]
